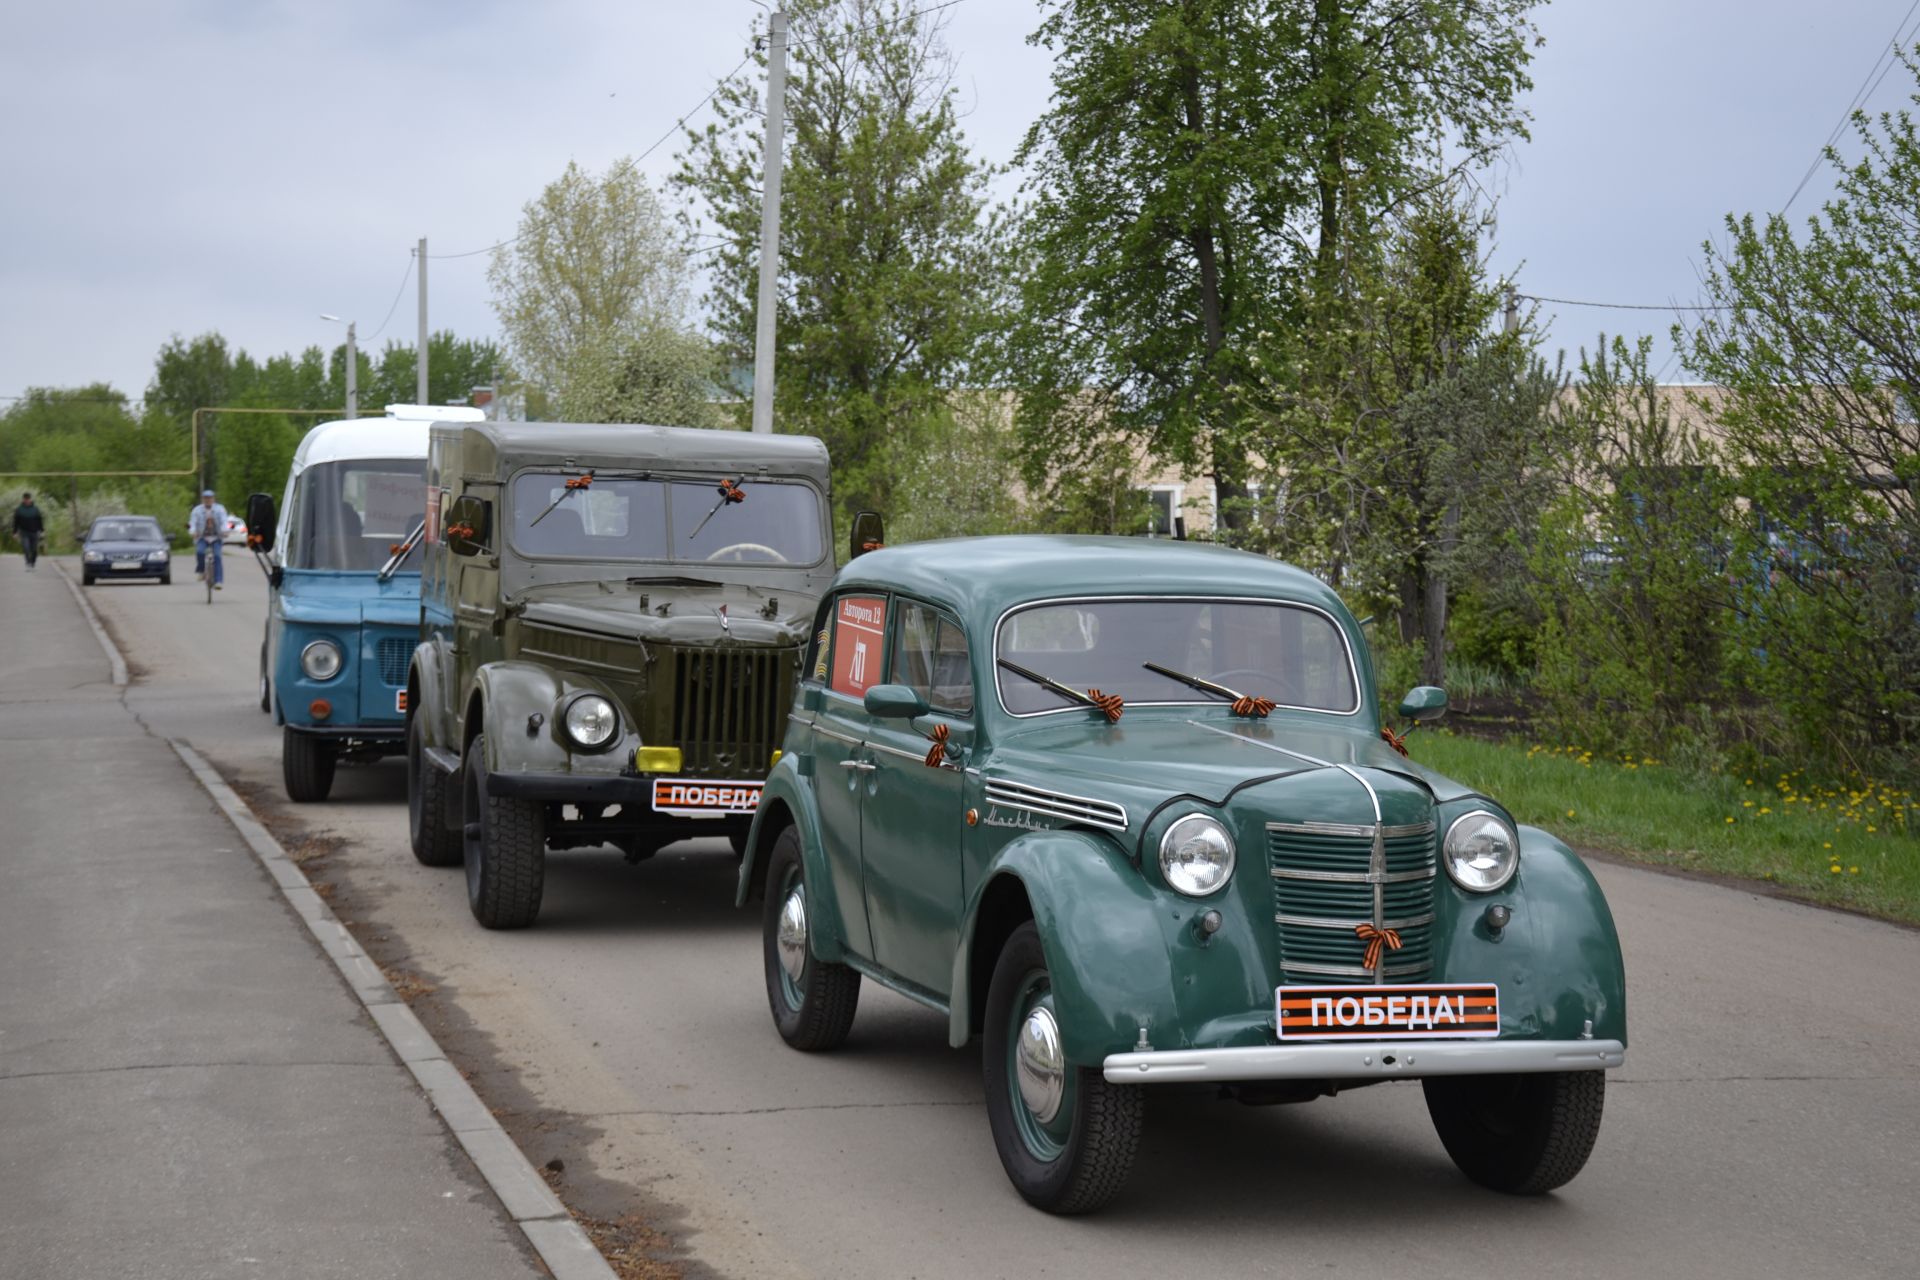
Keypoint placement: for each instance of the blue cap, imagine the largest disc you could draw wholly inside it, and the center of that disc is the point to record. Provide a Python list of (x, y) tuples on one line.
[(206, 493)]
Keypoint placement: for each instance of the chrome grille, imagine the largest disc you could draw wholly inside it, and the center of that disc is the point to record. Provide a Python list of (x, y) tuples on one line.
[(393, 654), (730, 708), (1323, 886)]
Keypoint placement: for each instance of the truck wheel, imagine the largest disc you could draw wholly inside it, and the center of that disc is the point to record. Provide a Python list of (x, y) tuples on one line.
[(266, 685), (1522, 1134), (436, 840), (813, 1002), (306, 765), (1066, 1136), (504, 843)]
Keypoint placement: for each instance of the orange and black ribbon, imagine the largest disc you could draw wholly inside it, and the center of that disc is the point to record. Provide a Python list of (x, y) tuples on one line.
[(1109, 704), (581, 482), (938, 751), (731, 492), (872, 546), (1374, 938), (459, 531), (1253, 708), (1398, 741)]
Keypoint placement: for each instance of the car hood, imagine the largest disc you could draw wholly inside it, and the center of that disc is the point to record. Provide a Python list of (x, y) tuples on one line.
[(339, 599), (623, 611), (117, 548), (1150, 757)]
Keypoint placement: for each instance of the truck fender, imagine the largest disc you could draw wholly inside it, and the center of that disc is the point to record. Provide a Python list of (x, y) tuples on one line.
[(1097, 916), (423, 683), (788, 799), (509, 693)]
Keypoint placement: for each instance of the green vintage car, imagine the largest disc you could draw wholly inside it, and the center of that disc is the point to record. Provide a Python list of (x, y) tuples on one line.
[(1126, 811)]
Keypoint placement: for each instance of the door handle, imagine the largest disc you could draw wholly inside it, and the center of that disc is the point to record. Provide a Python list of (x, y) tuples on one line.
[(864, 766)]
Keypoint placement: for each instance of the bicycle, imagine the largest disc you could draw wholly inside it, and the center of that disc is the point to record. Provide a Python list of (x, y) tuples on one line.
[(210, 549)]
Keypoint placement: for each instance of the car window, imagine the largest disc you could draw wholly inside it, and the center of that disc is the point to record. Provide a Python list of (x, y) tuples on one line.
[(348, 514), (617, 518), (1295, 656), (856, 650), (125, 531), (931, 658)]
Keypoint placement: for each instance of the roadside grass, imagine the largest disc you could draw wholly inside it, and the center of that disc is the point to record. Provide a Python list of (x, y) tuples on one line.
[(1855, 846)]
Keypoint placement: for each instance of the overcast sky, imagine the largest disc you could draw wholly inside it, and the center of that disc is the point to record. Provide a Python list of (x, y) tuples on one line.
[(243, 165)]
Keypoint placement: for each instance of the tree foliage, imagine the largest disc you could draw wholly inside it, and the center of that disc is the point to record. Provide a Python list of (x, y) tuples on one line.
[(889, 257), (592, 295)]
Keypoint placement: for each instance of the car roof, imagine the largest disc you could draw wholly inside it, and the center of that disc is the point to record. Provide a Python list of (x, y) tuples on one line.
[(399, 433), (637, 445), (983, 577)]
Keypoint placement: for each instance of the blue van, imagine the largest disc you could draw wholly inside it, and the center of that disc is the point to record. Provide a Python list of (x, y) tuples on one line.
[(343, 614)]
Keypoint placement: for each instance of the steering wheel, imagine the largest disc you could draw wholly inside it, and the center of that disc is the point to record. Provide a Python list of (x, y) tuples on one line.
[(761, 547)]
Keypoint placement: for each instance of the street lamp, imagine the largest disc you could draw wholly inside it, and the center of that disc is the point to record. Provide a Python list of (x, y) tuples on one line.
[(353, 366)]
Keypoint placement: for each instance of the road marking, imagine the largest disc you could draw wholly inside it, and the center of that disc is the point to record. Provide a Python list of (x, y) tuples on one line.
[(114, 660), (568, 1251)]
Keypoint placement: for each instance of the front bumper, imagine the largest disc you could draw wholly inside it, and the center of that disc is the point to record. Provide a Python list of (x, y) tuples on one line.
[(394, 734), (1362, 1060)]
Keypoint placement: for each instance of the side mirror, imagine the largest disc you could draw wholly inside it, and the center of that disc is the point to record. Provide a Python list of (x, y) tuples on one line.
[(469, 527), (262, 522), (869, 534), (1425, 702), (895, 701)]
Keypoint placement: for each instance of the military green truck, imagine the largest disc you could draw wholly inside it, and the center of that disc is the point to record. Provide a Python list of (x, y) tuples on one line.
[(612, 623)]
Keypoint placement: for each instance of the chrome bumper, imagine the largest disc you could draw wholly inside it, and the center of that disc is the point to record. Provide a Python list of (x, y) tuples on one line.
[(1363, 1060)]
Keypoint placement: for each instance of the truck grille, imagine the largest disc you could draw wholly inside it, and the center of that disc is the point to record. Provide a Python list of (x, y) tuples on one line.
[(1323, 886), (393, 653), (730, 708)]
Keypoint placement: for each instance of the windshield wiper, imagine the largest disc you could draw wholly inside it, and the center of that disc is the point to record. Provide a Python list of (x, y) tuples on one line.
[(1107, 704), (1243, 704), (401, 552), (672, 580), (574, 486), (730, 491)]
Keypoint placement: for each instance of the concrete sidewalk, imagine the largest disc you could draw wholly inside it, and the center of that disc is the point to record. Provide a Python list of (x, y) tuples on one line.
[(187, 1087)]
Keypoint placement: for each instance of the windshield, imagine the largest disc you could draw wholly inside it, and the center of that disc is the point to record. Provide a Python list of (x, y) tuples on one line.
[(1297, 657), (620, 519), (125, 531), (348, 515)]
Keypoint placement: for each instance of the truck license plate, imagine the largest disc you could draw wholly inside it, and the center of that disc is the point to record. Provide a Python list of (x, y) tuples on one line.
[(702, 798), (1392, 1011)]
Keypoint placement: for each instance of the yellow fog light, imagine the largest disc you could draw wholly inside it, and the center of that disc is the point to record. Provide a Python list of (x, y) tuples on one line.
[(656, 759), (775, 760)]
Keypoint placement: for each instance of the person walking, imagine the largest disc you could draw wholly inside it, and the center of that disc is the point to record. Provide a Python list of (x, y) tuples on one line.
[(208, 525), (29, 526)]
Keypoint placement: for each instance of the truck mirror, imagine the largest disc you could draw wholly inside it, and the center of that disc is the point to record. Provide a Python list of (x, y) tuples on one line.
[(869, 534), (262, 520), (469, 527)]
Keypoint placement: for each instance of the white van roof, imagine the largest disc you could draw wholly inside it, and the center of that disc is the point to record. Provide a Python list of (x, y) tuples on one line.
[(400, 433)]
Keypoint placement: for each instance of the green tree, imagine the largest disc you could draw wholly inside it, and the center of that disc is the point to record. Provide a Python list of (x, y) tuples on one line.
[(890, 260), (455, 366), (1815, 346), (592, 296)]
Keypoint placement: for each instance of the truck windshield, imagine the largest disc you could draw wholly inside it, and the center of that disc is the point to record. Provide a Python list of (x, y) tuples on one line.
[(1296, 657), (620, 519), (348, 514)]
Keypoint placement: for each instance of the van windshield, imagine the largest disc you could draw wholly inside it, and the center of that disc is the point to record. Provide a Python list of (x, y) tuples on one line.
[(675, 520), (348, 514)]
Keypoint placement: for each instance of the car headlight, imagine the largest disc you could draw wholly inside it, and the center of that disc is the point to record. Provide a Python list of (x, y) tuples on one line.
[(93, 557), (1482, 851), (156, 555), (1196, 855), (591, 721), (321, 660)]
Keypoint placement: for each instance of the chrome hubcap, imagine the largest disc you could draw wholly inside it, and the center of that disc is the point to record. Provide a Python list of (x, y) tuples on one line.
[(791, 935), (1040, 1066)]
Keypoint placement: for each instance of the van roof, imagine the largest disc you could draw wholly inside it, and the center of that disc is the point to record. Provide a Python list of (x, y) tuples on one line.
[(401, 432)]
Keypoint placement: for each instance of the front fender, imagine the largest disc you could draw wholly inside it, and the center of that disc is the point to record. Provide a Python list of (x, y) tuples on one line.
[(512, 692), (423, 691), (788, 798), (1111, 970), (1580, 970)]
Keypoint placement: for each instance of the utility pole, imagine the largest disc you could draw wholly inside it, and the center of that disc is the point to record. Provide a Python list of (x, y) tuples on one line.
[(1513, 311), (420, 396), (763, 315), (353, 374)]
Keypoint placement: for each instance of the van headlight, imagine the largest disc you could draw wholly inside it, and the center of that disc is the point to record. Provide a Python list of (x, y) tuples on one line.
[(321, 660), (1482, 851), (591, 721), (1196, 855)]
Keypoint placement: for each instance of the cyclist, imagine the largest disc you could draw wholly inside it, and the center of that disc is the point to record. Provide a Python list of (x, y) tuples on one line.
[(208, 525)]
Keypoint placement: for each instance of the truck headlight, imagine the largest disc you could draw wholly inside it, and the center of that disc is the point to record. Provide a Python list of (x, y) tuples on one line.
[(321, 660), (590, 721), (1196, 855), (1482, 851)]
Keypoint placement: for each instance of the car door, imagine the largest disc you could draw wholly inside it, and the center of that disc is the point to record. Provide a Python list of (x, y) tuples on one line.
[(854, 661), (915, 818)]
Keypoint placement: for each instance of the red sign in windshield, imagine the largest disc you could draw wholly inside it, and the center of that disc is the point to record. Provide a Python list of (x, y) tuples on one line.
[(859, 643)]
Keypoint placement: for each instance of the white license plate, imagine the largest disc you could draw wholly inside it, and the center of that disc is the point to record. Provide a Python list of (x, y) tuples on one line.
[(700, 798), (128, 564), (1389, 1011)]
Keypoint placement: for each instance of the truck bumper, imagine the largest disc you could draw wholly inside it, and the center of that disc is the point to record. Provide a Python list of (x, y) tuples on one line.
[(1362, 1060)]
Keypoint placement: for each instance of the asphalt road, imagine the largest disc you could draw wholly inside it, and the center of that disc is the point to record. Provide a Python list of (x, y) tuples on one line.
[(1767, 1122)]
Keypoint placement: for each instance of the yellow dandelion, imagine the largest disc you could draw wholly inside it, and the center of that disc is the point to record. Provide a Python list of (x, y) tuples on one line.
[(1746, 804), (1569, 813), (1729, 818), (1853, 871), (1835, 868), (1827, 845), (1764, 809)]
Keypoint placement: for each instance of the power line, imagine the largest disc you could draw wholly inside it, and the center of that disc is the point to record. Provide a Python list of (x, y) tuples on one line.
[(874, 26), (396, 297), (1625, 306), (1889, 55)]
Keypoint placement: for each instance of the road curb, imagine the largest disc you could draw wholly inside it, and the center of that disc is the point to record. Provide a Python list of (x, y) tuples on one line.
[(562, 1244), (115, 662)]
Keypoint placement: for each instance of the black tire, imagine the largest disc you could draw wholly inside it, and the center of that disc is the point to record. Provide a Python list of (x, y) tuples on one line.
[(737, 837), (166, 579), (431, 829), (306, 766), (504, 844), (86, 579), (266, 684), (814, 1009), (1074, 1160), (1522, 1134)]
